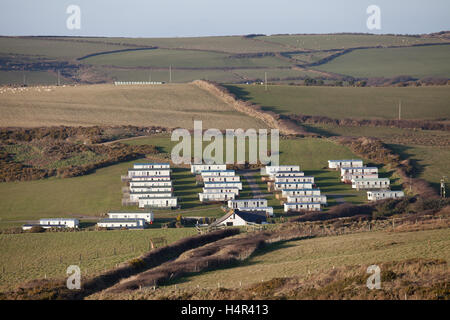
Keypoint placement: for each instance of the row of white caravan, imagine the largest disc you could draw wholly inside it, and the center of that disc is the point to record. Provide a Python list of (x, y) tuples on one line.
[(219, 184), (59, 223), (150, 186), (298, 190), (127, 220), (251, 205)]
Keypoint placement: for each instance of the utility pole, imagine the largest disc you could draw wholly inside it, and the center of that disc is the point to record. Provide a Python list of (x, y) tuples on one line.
[(24, 79), (443, 187), (170, 73), (400, 110), (265, 80), (59, 78), (150, 76)]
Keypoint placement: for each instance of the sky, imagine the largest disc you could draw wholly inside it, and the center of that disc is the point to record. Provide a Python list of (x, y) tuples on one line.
[(184, 18)]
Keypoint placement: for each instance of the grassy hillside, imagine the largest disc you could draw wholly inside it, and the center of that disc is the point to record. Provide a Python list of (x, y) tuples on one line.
[(29, 256), (169, 105), (304, 258), (350, 102), (420, 62)]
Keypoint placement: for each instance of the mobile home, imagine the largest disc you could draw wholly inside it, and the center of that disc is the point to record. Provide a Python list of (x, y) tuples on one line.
[(121, 223), (359, 170), (151, 166), (300, 192), (293, 185), (133, 173), (301, 206), (271, 170), (219, 196), (347, 178), (150, 178), (135, 196), (147, 216), (336, 164), (386, 194), (221, 190), (158, 202), (374, 183), (151, 189), (59, 223), (307, 199), (221, 178), (247, 203), (150, 183), (295, 179), (280, 174), (198, 168), (218, 173), (225, 184)]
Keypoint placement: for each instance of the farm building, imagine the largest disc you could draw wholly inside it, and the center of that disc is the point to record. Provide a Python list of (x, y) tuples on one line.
[(221, 179), (359, 170), (221, 190), (54, 223), (146, 183), (151, 189), (132, 173), (347, 178), (271, 170), (229, 184), (302, 199), (386, 194), (158, 202), (295, 179), (218, 196), (301, 206), (151, 166), (293, 185), (289, 174), (300, 192), (247, 203), (218, 173), (236, 218), (374, 183), (336, 164), (198, 168), (121, 223), (147, 216), (135, 196)]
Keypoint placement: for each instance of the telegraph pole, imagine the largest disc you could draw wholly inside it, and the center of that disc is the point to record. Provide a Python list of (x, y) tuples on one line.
[(400, 110), (170, 73), (265, 80), (59, 78), (150, 76)]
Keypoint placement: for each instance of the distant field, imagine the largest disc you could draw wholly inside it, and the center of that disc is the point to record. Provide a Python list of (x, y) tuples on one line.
[(351, 102), (33, 256), (416, 62), (169, 105), (181, 58), (344, 41), (31, 78), (302, 257)]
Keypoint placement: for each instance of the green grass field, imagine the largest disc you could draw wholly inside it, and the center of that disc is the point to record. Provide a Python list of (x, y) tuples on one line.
[(30, 256), (350, 102), (389, 62), (299, 258)]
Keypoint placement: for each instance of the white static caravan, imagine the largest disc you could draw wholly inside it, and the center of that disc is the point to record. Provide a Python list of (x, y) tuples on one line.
[(307, 199), (295, 179), (59, 223), (218, 173), (299, 192), (158, 202), (121, 223), (151, 166), (347, 178), (221, 190), (198, 168), (136, 196), (311, 206), (146, 183), (271, 170), (267, 210), (376, 183), (151, 178), (221, 179), (147, 216), (293, 185), (205, 197), (151, 189), (336, 164), (386, 194), (230, 184), (247, 203), (359, 170), (132, 173), (280, 174)]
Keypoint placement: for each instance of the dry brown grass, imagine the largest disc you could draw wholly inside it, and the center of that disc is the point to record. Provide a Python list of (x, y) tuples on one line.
[(168, 105)]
